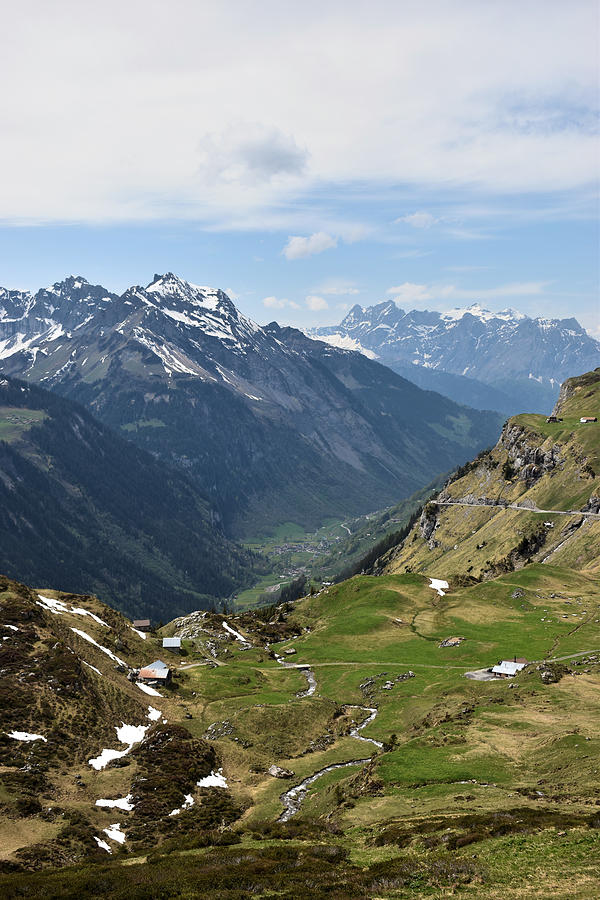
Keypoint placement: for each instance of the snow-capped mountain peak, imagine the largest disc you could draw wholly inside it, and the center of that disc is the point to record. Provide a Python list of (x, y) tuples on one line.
[(172, 286), (503, 350), (486, 315)]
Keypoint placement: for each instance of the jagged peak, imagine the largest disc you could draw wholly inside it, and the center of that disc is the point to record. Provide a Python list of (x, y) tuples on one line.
[(171, 284), (69, 283)]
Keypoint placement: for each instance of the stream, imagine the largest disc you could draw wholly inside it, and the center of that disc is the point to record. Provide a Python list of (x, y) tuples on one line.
[(293, 798), (306, 671)]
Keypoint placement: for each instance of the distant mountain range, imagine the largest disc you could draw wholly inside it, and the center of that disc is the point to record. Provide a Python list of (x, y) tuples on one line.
[(505, 361), (271, 425), (82, 509)]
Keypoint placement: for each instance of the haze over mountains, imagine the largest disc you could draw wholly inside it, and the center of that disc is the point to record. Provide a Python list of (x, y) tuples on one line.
[(489, 360), (271, 426)]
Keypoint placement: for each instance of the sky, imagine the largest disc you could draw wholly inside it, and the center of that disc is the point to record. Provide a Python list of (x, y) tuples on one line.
[(306, 156)]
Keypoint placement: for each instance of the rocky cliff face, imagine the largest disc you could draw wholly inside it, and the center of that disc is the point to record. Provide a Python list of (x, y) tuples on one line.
[(574, 394), (529, 461)]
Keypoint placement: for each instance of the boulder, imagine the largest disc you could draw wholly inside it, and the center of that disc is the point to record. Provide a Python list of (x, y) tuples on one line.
[(278, 772)]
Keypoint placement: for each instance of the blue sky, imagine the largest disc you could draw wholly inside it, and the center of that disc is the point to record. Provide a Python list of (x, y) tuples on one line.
[(307, 156)]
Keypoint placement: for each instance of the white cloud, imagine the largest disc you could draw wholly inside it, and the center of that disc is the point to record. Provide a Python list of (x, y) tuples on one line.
[(418, 220), (419, 293), (280, 303), (250, 153), (274, 303), (316, 303), (484, 100), (514, 289), (301, 247), (409, 292), (412, 254), (232, 294), (338, 286)]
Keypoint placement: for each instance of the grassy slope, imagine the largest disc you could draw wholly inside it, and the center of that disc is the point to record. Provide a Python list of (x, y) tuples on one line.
[(506, 742), (472, 540)]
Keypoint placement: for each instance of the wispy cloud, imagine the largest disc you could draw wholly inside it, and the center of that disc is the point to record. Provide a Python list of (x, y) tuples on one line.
[(409, 292), (302, 247), (337, 286), (316, 303), (418, 293), (418, 220), (412, 254), (279, 303), (514, 289)]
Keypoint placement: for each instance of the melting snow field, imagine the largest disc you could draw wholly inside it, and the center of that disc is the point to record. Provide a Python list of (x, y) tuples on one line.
[(439, 585), (12, 627), (187, 804), (91, 640), (90, 666), (126, 734), (139, 633), (26, 736), (215, 779), (236, 634), (114, 833), (102, 844), (58, 607), (123, 803), (147, 689), (153, 714)]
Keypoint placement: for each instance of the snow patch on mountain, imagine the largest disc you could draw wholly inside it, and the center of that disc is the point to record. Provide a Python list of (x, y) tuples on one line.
[(345, 342)]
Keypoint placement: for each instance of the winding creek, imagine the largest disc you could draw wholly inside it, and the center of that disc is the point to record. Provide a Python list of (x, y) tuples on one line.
[(293, 798)]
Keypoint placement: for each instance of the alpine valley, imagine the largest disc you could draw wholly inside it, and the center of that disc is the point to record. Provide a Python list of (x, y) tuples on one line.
[(85, 510), (270, 425), (505, 361), (363, 741)]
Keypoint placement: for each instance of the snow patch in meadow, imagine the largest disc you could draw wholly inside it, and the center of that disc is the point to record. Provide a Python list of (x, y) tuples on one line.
[(131, 734), (90, 666), (126, 734), (26, 736), (215, 779), (123, 803), (58, 607), (439, 585), (147, 689), (12, 627), (91, 640), (114, 833), (236, 634), (139, 633), (153, 714), (187, 804), (102, 844)]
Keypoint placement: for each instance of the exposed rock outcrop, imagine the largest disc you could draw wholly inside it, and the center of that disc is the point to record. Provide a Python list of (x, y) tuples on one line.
[(527, 461), (428, 523)]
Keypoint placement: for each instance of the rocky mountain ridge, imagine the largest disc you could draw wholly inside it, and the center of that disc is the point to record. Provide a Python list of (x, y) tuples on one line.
[(505, 360), (270, 424)]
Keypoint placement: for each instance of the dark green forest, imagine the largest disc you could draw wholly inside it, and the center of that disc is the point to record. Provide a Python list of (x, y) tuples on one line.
[(83, 510)]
